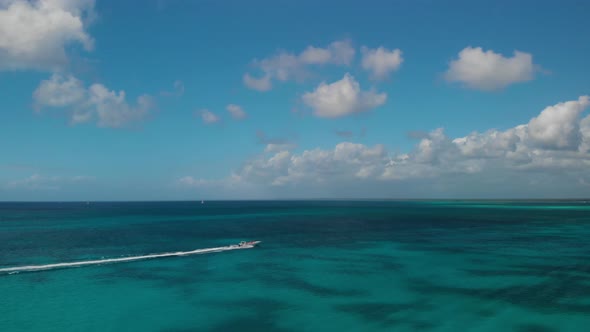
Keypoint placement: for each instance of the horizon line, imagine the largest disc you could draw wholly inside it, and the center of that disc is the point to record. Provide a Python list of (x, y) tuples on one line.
[(301, 200)]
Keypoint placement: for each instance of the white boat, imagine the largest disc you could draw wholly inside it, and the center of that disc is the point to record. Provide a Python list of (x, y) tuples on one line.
[(246, 244)]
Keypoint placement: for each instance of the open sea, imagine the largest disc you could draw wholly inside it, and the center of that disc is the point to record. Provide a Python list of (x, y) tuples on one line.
[(322, 266)]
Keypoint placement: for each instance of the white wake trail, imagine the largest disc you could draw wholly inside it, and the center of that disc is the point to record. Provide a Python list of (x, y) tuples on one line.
[(30, 268)]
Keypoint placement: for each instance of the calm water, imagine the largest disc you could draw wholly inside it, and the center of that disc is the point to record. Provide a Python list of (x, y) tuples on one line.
[(341, 266)]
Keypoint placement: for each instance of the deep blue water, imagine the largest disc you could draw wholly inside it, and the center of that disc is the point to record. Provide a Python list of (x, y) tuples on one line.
[(323, 265)]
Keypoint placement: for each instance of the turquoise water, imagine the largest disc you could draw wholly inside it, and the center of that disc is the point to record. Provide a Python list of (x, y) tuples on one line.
[(346, 266)]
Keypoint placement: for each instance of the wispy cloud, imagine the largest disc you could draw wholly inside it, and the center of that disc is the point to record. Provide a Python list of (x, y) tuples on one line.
[(285, 66), (37, 182), (176, 92), (236, 111), (274, 144), (209, 117)]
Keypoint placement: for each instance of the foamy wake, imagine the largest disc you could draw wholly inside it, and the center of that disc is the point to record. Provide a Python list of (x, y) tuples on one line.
[(30, 268)]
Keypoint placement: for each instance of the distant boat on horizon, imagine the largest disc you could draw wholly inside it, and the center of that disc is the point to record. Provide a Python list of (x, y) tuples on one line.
[(202, 202)]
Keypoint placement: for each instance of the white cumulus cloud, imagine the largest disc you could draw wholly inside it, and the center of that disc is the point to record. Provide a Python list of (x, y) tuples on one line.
[(343, 97), (96, 103), (35, 34), (487, 70), (585, 131), (558, 126), (380, 62), (285, 66)]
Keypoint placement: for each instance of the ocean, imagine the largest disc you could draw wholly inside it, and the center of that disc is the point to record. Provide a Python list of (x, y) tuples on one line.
[(322, 266)]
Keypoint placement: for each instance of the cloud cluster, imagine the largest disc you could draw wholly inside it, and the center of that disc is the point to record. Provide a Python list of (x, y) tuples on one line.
[(95, 103), (475, 68), (343, 97), (554, 146), (488, 70), (35, 34), (285, 66)]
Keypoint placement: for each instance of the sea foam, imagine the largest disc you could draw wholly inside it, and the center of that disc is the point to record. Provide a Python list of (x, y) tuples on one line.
[(31, 268)]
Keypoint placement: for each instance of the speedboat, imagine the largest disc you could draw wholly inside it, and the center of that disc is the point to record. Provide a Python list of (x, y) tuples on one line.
[(249, 243)]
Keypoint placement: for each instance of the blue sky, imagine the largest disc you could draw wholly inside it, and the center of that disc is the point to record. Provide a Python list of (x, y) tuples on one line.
[(109, 100)]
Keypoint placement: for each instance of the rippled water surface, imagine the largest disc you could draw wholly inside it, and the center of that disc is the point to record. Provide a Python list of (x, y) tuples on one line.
[(346, 266)]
